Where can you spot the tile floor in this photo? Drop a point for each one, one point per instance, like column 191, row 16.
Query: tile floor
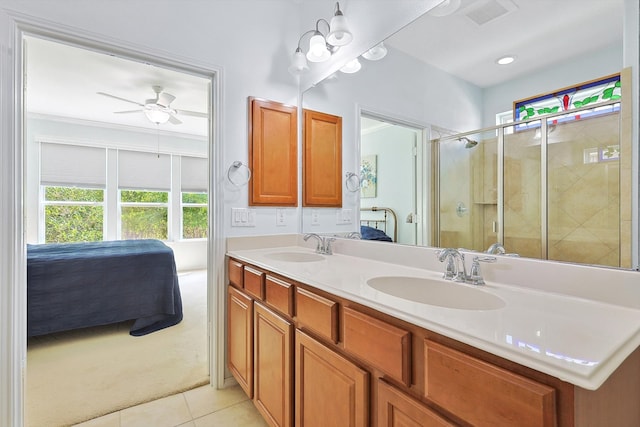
column 201, row 407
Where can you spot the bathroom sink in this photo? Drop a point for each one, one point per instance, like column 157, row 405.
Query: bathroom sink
column 440, row 293
column 294, row 256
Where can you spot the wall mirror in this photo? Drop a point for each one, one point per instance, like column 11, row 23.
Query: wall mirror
column 460, row 88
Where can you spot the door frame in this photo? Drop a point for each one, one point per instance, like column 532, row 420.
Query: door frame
column 423, row 160
column 14, row 301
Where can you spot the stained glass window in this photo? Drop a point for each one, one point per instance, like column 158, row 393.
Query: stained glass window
column 567, row 99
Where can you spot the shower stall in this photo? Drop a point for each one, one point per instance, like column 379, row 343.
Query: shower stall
column 556, row 188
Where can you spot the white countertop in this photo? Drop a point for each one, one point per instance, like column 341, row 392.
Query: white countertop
column 575, row 339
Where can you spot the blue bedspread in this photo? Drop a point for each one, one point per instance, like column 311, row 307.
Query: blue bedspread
column 370, row 233
column 77, row 285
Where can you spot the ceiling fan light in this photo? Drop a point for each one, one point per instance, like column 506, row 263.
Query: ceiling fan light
column 339, row 34
column 157, row 116
column 376, row 53
column 318, row 51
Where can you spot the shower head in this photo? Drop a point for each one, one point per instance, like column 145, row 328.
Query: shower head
column 469, row 143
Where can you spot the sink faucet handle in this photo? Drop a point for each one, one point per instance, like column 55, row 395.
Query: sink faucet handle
column 327, row 245
column 475, row 275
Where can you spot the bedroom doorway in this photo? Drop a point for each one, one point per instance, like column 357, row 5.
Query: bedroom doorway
column 392, row 164
column 90, row 126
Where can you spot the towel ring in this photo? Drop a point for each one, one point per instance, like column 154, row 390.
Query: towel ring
column 235, row 169
column 352, row 182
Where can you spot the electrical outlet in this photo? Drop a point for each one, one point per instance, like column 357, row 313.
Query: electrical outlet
column 280, row 217
column 315, row 217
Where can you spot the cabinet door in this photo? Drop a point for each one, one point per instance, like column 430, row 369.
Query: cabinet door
column 396, row 409
column 273, row 153
column 322, row 165
column 331, row 391
column 483, row 394
column 240, row 338
column 273, row 363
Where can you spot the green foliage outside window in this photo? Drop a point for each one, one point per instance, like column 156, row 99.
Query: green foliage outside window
column 138, row 196
column 65, row 224
column 144, row 222
column 194, row 218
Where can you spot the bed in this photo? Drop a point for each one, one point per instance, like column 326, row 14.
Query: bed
column 378, row 223
column 78, row 285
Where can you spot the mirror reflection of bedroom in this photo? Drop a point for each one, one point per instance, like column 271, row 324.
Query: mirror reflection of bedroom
column 116, row 201
column 391, row 156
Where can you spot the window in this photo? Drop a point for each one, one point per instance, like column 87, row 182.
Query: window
column 73, row 214
column 194, row 215
column 144, row 214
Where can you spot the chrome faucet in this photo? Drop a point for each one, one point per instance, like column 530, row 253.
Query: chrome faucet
column 353, row 235
column 324, row 243
column 456, row 269
column 497, row 248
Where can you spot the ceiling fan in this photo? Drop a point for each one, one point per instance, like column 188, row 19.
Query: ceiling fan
column 158, row 110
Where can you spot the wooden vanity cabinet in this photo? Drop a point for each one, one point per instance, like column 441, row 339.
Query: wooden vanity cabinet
column 355, row 366
column 397, row 409
column 330, row 389
column 240, row 338
column 273, row 366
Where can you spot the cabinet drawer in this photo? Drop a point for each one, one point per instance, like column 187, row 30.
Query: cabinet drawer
column 317, row 313
column 254, row 282
column 235, row 273
column 397, row 409
column 483, row 394
column 279, row 294
column 384, row 346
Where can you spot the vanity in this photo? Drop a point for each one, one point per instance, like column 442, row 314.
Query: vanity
column 372, row 335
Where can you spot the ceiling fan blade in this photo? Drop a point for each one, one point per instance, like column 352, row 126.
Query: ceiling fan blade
column 121, row 99
column 192, row 113
column 127, row 112
column 165, row 99
column 174, row 120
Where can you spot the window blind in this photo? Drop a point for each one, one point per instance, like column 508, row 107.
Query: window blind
column 194, row 173
column 144, row 171
column 72, row 165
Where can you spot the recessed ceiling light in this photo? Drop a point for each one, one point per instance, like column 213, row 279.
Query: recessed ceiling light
column 505, row 60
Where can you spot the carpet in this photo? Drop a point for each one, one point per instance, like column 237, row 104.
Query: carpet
column 79, row 375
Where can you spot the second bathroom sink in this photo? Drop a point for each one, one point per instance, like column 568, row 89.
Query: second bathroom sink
column 440, row 293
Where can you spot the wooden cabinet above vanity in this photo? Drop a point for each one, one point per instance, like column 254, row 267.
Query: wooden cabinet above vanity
column 273, row 153
column 330, row 358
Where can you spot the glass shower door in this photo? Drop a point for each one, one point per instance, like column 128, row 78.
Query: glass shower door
column 584, row 190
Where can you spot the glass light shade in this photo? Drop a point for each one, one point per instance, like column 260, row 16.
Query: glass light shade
column 157, row 116
column 352, row 66
column 377, row 52
column 339, row 34
column 318, row 51
column 298, row 63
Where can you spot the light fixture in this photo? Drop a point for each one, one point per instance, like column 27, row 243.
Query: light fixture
column 156, row 115
column 339, row 34
column 351, row 67
column 321, row 47
column 377, row 52
column 505, row 60
column 318, row 51
column 298, row 63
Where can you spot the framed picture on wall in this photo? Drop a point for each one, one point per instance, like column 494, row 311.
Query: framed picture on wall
column 369, row 176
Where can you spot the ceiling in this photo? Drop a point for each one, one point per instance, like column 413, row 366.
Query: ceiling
column 467, row 41
column 63, row 80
